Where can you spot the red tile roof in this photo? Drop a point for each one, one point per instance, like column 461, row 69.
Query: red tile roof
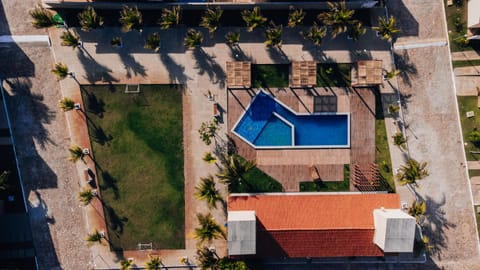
column 314, row 212
column 337, row 225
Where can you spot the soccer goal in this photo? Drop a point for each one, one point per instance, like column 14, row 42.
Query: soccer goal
column 132, row 89
column 148, row 246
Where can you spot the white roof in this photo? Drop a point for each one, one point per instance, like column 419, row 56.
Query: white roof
column 242, row 230
column 473, row 12
column 394, row 230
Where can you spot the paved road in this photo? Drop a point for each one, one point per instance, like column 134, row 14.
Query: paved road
column 435, row 136
column 57, row 221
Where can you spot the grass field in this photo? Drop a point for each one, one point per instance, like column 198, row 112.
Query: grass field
column 258, row 181
column 270, row 75
column 137, row 145
column 328, row 186
column 466, row 104
column 466, row 63
column 333, row 75
column 382, row 151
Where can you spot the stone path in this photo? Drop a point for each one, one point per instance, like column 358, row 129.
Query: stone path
column 466, row 55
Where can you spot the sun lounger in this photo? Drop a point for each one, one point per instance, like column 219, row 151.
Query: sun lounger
column 216, row 111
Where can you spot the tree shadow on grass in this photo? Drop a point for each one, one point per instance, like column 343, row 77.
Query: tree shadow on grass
column 206, row 63
column 115, row 224
column 109, row 182
column 95, row 105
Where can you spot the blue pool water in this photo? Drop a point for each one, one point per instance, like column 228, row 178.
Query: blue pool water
column 261, row 127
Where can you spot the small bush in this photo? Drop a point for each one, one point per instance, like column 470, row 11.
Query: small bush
column 474, row 137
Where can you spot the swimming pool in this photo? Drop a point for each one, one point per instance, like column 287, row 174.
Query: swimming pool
column 267, row 123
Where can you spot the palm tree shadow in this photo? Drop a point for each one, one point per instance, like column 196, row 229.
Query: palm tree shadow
column 206, row 63
column 109, row 182
column 94, row 71
column 131, row 65
column 436, row 224
column 407, row 68
column 176, row 71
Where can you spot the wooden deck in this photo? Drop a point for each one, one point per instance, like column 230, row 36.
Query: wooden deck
column 362, row 125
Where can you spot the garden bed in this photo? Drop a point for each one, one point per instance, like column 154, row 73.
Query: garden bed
column 315, row 186
column 270, row 75
column 333, row 75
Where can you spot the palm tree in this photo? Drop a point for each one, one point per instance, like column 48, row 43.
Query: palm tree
column 418, row 210
column 170, row 17
column 206, row 258
column 211, row 19
column 4, row 180
column 253, row 18
column 193, row 39
column 234, row 168
column 421, row 246
column 208, row 230
column 66, row 104
column 60, row 70
column 95, row 237
column 209, row 157
column 206, row 190
column 386, row 28
column 338, row 17
column 41, row 17
column 153, row 42
column 126, row 264
column 70, row 39
column 86, row 196
column 391, row 74
column 411, row 172
column 400, row 141
column 89, row 19
column 315, row 34
column 295, row 17
column 130, row 18
column 232, row 38
column 76, row 153
column 154, row 263
column 356, row 30
column 274, row 35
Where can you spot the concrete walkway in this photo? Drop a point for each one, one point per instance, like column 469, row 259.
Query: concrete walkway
column 431, row 117
column 465, row 55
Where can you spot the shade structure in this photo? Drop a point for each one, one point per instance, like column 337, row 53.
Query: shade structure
column 304, row 74
column 369, row 72
column 239, row 74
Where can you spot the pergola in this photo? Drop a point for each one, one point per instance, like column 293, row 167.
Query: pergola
column 304, row 74
column 239, row 74
column 369, row 72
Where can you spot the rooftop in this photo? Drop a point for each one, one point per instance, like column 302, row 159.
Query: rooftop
column 319, row 211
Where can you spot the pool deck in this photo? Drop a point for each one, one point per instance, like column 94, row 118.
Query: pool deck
column 292, row 166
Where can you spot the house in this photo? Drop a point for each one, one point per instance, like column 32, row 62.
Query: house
column 306, row 225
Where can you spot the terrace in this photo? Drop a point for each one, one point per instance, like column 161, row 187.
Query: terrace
column 294, row 165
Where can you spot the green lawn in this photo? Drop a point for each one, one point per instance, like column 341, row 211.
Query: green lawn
column 275, row 75
column 466, row 104
column 472, row 173
column 466, row 63
column 457, row 25
column 137, row 145
column 333, row 75
column 313, row 186
column 382, row 151
column 258, row 181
